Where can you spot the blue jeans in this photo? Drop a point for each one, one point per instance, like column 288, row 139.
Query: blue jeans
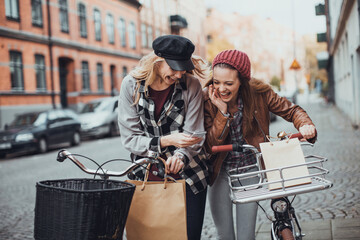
column 195, row 210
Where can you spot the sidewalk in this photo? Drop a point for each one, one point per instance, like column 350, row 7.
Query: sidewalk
column 334, row 229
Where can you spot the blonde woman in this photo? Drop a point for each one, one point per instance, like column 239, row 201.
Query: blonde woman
column 160, row 106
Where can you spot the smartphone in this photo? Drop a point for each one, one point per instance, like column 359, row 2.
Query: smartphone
column 200, row 134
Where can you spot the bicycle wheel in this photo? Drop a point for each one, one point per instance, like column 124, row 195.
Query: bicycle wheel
column 286, row 234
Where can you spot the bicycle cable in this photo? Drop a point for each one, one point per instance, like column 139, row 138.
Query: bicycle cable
column 99, row 166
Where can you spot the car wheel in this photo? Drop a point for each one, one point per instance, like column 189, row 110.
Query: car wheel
column 42, row 146
column 2, row 155
column 76, row 139
column 114, row 131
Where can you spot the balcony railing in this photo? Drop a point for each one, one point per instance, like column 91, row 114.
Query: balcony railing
column 320, row 9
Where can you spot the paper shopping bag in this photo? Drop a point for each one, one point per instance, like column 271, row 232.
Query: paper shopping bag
column 284, row 153
column 157, row 212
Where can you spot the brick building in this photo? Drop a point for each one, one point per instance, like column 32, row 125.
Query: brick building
column 63, row 53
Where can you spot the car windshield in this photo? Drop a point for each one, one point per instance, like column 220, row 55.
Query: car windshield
column 97, row 106
column 29, row 119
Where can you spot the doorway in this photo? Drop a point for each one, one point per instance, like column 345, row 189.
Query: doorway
column 113, row 80
column 65, row 77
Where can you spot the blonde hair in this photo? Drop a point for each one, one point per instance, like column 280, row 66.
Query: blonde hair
column 146, row 71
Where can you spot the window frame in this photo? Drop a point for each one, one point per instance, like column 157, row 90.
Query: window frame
column 122, row 31
column 132, row 35
column 150, row 37
column 82, row 20
column 64, row 16
column 37, row 5
column 100, row 77
column 110, row 28
column 97, row 22
column 10, row 13
column 144, row 43
column 85, row 76
column 124, row 71
column 16, row 67
column 40, row 73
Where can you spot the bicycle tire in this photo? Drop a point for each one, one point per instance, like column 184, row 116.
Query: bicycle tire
column 286, row 234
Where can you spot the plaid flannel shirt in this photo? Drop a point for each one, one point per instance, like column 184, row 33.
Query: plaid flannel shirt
column 140, row 133
column 238, row 159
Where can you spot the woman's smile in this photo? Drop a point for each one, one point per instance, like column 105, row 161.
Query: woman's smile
column 227, row 84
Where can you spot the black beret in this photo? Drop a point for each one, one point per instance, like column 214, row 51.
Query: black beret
column 176, row 50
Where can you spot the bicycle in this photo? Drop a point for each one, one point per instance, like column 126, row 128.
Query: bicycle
column 285, row 226
column 86, row 208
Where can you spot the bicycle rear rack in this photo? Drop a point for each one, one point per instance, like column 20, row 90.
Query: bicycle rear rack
column 260, row 191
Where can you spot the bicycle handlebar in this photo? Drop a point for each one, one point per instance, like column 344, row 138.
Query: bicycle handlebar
column 296, row 135
column 237, row 147
column 233, row 147
column 63, row 154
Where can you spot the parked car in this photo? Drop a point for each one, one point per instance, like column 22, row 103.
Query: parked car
column 38, row 131
column 99, row 118
column 272, row 117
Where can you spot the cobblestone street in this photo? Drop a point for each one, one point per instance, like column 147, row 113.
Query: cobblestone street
column 337, row 141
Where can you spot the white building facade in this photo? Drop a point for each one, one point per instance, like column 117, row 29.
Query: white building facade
column 344, row 50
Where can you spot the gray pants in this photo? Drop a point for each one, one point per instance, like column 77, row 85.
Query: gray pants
column 222, row 210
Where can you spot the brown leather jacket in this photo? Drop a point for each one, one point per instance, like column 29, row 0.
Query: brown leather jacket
column 217, row 125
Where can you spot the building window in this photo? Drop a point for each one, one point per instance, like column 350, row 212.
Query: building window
column 16, row 70
column 12, row 9
column 122, row 31
column 132, row 35
column 110, row 27
column 85, row 76
column 40, row 73
column 97, row 23
column 64, row 18
column 157, row 33
column 100, row 77
column 149, row 36
column 125, row 72
column 82, row 20
column 36, row 13
column 143, row 36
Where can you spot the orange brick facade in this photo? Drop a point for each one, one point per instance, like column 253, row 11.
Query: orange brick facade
column 64, row 53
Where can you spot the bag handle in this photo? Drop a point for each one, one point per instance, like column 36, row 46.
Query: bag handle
column 148, row 170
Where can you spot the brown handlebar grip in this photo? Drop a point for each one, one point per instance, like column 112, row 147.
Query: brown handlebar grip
column 296, row 135
column 222, row 148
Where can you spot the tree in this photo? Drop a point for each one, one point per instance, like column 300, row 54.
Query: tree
column 275, row 81
column 216, row 45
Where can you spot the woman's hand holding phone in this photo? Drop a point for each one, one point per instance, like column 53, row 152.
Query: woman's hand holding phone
column 200, row 134
column 179, row 140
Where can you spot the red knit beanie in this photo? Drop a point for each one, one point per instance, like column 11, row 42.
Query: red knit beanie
column 237, row 59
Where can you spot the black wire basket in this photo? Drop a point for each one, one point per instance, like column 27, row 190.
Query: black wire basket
column 81, row 209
